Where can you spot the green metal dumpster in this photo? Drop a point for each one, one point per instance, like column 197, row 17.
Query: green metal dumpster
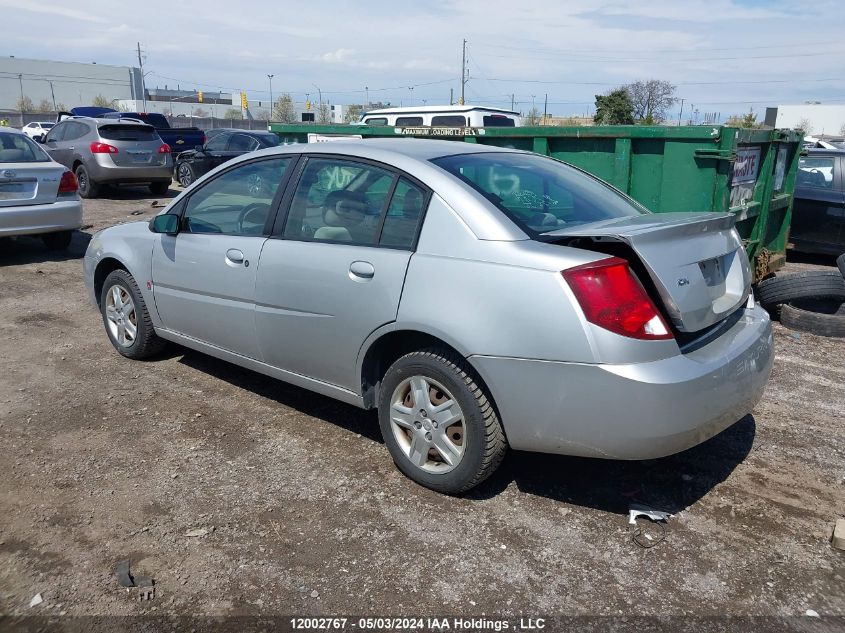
column 750, row 173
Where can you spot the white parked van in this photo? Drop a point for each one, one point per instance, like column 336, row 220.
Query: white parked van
column 442, row 116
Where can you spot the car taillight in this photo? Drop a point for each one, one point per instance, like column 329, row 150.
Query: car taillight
column 102, row 148
column 164, row 149
column 204, row 139
column 612, row 298
column 68, row 183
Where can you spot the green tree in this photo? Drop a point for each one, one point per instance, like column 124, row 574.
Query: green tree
column 45, row 105
column 614, row 108
column 101, row 102
column 24, row 104
column 233, row 113
column 746, row 121
column 352, row 114
column 324, row 114
column 283, row 109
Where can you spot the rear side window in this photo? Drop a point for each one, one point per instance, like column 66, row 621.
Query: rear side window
column 404, row 216
column 242, row 143
column 128, row 133
column 538, row 193
column 75, row 130
column 17, row 148
column 338, row 201
column 449, row 120
column 498, row 121
column 815, row 172
column 406, row 121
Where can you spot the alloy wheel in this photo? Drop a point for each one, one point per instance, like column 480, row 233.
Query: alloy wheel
column 121, row 316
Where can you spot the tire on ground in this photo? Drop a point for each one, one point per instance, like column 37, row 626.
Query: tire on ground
column 840, row 262
column 811, row 284
column 486, row 444
column 825, row 318
column 147, row 343
column 58, row 241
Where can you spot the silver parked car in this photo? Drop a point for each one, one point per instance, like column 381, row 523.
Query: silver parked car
column 37, row 195
column 478, row 297
column 109, row 151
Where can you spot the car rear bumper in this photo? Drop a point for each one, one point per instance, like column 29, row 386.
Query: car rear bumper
column 637, row 411
column 62, row 215
column 103, row 170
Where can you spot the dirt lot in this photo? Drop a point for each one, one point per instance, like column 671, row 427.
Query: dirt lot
column 103, row 459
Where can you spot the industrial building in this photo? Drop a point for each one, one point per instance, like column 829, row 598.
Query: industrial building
column 55, row 84
column 814, row 118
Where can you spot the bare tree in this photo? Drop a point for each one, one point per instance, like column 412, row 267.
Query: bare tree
column 804, row 126
column 651, row 99
column 200, row 113
column 324, row 114
column 233, row 113
column 24, row 104
column 45, row 105
column 533, row 117
column 352, row 114
column 101, row 102
column 842, row 129
column 283, row 109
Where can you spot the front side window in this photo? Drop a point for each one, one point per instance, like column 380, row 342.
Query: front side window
column 540, row 194
column 338, row 201
column 17, row 148
column 218, row 143
column 238, row 201
column 58, row 132
column 815, row 172
column 376, row 121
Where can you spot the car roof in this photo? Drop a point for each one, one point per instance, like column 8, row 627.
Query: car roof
column 11, row 130
column 415, row 148
column 442, row 109
column 111, row 122
column 825, row 150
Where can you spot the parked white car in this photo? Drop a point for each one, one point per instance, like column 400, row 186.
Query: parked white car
column 37, row 130
column 38, row 196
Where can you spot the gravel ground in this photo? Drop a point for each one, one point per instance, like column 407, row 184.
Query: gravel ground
column 296, row 507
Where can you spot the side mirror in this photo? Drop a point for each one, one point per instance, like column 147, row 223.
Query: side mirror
column 50, row 142
column 167, row 224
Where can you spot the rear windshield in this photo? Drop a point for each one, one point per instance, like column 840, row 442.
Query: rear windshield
column 497, row 120
column 540, row 194
column 128, row 133
column 17, row 148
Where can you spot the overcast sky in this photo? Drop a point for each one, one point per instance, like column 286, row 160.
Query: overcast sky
column 723, row 55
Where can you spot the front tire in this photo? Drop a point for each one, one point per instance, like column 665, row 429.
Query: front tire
column 87, row 187
column 438, row 421
column 126, row 318
column 57, row 241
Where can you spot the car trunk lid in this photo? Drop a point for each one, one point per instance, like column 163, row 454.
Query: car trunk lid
column 29, row 183
column 695, row 261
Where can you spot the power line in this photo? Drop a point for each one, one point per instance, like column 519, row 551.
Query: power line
column 683, row 83
column 656, row 50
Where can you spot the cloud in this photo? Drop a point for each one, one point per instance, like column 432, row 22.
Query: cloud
column 59, row 11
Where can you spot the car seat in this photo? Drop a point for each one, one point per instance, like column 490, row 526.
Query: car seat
column 342, row 211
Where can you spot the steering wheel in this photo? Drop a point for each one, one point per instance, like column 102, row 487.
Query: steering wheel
column 258, row 211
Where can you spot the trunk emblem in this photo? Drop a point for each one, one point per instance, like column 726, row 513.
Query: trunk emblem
column 683, row 281
column 9, row 174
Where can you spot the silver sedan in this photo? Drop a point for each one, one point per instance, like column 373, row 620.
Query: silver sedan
column 37, row 195
column 477, row 297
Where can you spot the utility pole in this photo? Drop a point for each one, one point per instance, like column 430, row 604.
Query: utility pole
column 463, row 71
column 20, row 79
column 681, row 112
column 545, row 108
column 143, row 82
column 451, row 96
column 367, row 95
column 270, row 77
column 53, row 94
column 512, row 97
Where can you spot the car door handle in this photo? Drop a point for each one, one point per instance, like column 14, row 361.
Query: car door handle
column 364, row 270
column 235, row 256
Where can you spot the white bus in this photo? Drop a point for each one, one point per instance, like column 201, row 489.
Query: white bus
column 442, row 116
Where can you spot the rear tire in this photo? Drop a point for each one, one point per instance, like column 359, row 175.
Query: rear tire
column 87, row 187
column 57, row 241
column 126, row 318
column 159, row 188
column 438, row 421
column 811, row 284
column 840, row 262
column 185, row 174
